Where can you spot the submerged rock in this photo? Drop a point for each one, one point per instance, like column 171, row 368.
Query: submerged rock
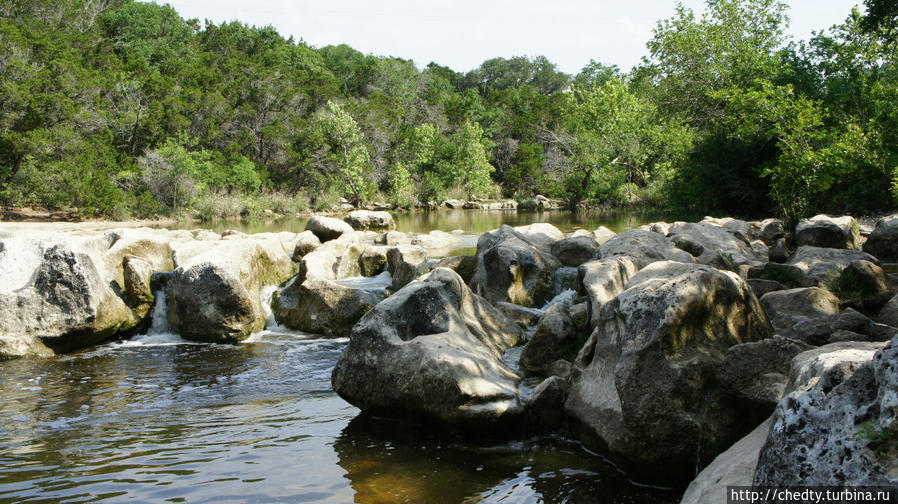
column 647, row 389
column 432, row 351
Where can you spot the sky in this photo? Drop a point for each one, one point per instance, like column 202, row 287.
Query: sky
column 461, row 34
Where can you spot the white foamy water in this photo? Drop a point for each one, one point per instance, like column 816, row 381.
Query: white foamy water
column 375, row 283
column 160, row 332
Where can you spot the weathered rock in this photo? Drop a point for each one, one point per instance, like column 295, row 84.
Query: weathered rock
column 883, row 241
column 818, row 330
column 785, row 308
column 757, row 372
column 837, row 360
column 322, row 306
column 406, row 262
column 603, row 234
column 828, row 232
column 839, row 430
column 540, row 234
column 366, row 219
column 761, row 286
column 137, row 293
column 869, row 278
column 464, row 265
column 734, row 467
column 576, row 250
column 888, row 314
column 644, row 248
column 373, row 260
column 327, row 228
column 779, row 252
column 433, row 351
column 821, row 263
column 306, row 242
column 522, row 315
column 786, row 274
column 54, row 297
column 603, row 280
column 647, row 389
column 713, row 244
column 772, row 231
column 546, row 408
column 313, row 301
column 556, row 337
column 512, row 269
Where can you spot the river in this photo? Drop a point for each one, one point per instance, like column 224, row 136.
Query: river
column 158, row 419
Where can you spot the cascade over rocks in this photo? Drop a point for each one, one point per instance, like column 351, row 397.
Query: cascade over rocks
column 512, row 269
column 432, row 351
column 646, row 386
column 214, row 291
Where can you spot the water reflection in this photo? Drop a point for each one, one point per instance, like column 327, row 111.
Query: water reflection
column 388, row 462
column 470, row 221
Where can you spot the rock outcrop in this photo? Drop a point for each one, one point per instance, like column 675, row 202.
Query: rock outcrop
column 432, row 351
column 647, row 388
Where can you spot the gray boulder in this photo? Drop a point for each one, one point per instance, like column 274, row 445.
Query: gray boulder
column 367, row 219
column 545, row 410
column 603, row 234
column 785, row 308
column 306, row 242
column 828, row 232
column 556, row 337
column 540, row 234
column 838, row 429
column 772, row 231
column 54, row 297
column 512, row 269
column 327, row 228
column 644, row 248
column 373, row 260
column 464, row 265
column 214, row 293
column 406, row 262
column 576, row 250
column 314, row 301
column 822, row 263
column 432, row 351
column 647, row 387
column 602, row 280
column 883, row 241
column 713, row 244
column 757, row 372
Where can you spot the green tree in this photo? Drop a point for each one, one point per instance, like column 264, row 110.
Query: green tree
column 345, row 157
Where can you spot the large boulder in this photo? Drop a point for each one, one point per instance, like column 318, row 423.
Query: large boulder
column 576, row 250
column 828, row 232
column 54, row 297
column 541, row 234
column 367, row 219
column 512, row 269
column 306, row 242
column 772, row 231
column 406, row 262
column 314, row 301
column 648, row 389
column 785, row 308
column 327, row 228
column 432, row 351
column 821, row 264
column 838, row 429
column 602, row 280
column 644, row 247
column 734, row 467
column 214, row 293
column 556, row 337
column 757, row 372
column 713, row 244
column 883, row 241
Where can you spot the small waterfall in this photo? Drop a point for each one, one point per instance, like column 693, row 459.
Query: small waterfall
column 267, row 294
column 159, row 319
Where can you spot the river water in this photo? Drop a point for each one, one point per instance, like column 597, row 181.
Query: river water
column 158, row 419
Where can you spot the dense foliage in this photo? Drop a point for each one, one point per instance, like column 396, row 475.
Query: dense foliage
column 122, row 108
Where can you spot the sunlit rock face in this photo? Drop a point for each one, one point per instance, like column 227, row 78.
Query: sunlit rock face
column 512, row 268
column 646, row 384
column 432, row 351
